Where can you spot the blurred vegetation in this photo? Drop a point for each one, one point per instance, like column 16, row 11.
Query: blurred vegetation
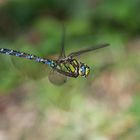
column 105, row 106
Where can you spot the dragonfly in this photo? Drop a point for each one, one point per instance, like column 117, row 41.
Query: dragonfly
column 63, row 67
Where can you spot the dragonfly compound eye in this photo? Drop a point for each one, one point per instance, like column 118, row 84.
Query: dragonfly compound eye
column 84, row 70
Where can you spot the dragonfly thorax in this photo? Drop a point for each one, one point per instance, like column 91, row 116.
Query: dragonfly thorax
column 72, row 68
column 69, row 67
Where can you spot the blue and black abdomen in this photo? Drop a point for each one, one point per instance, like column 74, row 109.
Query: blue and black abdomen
column 51, row 63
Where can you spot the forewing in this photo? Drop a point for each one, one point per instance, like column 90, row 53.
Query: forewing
column 62, row 51
column 75, row 54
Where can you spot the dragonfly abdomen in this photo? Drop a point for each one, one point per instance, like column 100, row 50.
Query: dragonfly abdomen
column 51, row 63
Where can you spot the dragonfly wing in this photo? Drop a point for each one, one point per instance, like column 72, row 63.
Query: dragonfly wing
column 62, row 52
column 27, row 68
column 57, row 78
column 75, row 54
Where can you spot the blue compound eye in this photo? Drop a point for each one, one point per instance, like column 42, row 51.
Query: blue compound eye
column 84, row 70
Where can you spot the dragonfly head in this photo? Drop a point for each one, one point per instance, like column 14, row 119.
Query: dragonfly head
column 84, row 70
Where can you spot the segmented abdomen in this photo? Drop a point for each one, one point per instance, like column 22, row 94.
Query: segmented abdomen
column 51, row 63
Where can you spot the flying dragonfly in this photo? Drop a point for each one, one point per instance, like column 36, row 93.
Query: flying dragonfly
column 63, row 67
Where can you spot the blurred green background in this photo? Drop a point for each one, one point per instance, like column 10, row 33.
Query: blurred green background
column 104, row 106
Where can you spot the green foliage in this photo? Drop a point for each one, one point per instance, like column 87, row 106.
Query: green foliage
column 102, row 106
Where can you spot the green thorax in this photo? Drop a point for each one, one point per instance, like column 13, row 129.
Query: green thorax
column 70, row 66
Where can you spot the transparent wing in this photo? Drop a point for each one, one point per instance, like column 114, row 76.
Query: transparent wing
column 62, row 51
column 57, row 78
column 75, row 54
column 27, row 68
